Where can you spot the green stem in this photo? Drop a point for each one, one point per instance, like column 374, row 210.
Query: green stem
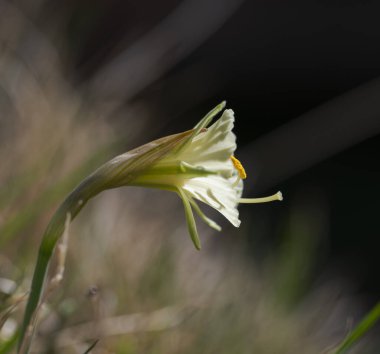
column 72, row 205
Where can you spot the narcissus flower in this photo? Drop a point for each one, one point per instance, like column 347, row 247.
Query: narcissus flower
column 203, row 167
column 198, row 164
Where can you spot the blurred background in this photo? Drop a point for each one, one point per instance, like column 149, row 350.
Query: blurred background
column 83, row 81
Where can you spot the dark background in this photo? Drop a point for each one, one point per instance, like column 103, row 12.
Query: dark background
column 273, row 61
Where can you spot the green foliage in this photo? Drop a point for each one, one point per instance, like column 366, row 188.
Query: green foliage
column 8, row 345
column 360, row 330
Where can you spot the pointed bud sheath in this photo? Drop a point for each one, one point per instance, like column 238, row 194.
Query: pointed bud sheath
column 118, row 172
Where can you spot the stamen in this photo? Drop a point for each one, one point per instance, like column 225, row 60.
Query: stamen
column 277, row 196
column 239, row 167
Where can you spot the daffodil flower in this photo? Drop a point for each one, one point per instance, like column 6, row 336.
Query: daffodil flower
column 198, row 164
column 203, row 168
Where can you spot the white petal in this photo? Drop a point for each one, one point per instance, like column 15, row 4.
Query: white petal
column 218, row 192
column 218, row 143
column 210, row 149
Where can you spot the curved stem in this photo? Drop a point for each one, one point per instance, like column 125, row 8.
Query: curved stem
column 72, row 204
column 120, row 171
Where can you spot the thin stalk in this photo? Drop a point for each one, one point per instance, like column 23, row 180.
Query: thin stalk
column 72, row 205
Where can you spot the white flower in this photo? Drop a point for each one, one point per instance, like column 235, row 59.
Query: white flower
column 203, row 168
column 197, row 164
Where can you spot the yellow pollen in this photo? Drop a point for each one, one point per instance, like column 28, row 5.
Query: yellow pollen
column 239, row 167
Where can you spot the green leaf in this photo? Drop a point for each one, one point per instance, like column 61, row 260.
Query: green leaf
column 360, row 330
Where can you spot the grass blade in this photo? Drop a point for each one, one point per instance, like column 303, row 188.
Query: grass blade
column 360, row 330
column 92, row 346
